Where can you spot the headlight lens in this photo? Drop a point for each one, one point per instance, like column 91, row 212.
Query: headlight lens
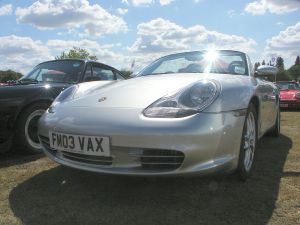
column 297, row 95
column 185, row 102
column 65, row 95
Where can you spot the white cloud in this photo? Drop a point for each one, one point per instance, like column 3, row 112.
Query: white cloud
column 159, row 37
column 286, row 44
column 5, row 10
column 21, row 53
column 122, row 11
column 142, row 2
column 93, row 47
column 231, row 13
column 71, row 14
column 125, row 2
column 280, row 23
column 165, row 2
column 147, row 2
column 260, row 7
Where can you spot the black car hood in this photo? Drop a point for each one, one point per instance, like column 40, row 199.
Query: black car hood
column 32, row 90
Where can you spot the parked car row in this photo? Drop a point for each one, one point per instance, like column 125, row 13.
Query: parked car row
column 189, row 113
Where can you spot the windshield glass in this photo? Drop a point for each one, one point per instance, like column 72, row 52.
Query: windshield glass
column 228, row 62
column 289, row 86
column 67, row 71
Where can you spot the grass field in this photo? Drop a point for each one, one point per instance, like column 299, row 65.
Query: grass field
column 34, row 190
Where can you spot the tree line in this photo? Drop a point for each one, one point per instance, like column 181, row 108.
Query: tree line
column 292, row 73
column 9, row 75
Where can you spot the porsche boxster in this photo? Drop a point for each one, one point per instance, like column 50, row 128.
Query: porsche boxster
column 189, row 113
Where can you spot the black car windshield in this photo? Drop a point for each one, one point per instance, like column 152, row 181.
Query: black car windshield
column 225, row 62
column 288, row 86
column 64, row 71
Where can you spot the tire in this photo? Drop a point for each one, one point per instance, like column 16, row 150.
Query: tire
column 275, row 131
column 248, row 144
column 26, row 138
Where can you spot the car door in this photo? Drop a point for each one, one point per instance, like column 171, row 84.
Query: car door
column 267, row 95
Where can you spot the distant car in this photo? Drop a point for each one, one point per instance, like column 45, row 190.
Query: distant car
column 189, row 113
column 289, row 94
column 25, row 101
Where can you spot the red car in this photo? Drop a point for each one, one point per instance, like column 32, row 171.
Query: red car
column 289, row 94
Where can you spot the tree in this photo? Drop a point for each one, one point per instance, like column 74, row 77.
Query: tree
column 76, row 53
column 9, row 75
column 294, row 72
column 256, row 65
column 297, row 62
column 263, row 63
column 280, row 63
column 283, row 75
column 126, row 73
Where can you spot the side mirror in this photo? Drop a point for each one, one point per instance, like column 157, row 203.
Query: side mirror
column 266, row 71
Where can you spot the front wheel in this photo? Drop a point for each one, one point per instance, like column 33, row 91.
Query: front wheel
column 26, row 134
column 248, row 144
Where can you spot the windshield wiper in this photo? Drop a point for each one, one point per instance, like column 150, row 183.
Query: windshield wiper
column 28, row 81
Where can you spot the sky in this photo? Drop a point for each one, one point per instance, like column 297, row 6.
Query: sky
column 119, row 32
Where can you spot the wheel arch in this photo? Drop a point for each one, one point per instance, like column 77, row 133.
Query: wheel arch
column 255, row 101
column 25, row 107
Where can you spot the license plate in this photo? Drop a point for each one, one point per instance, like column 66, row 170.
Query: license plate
column 284, row 105
column 88, row 145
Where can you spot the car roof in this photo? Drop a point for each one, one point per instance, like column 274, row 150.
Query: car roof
column 81, row 60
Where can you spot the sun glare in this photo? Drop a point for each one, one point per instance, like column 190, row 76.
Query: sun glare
column 211, row 55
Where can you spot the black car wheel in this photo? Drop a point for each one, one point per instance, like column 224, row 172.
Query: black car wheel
column 248, row 144
column 26, row 134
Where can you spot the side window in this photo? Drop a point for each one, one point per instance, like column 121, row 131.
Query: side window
column 119, row 76
column 35, row 75
column 102, row 73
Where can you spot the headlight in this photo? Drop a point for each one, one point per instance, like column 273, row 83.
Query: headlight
column 297, row 95
column 64, row 96
column 185, row 102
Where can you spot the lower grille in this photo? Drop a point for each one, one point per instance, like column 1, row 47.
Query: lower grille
column 90, row 159
column 156, row 159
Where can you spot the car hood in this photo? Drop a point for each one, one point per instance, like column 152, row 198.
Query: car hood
column 140, row 92
column 30, row 90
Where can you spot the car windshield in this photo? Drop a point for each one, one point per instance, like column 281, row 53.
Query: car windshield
column 225, row 62
column 288, row 86
column 64, row 71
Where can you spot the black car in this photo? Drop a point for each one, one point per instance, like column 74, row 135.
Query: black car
column 22, row 104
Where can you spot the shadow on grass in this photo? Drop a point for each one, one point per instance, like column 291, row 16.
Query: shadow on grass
column 66, row 196
column 16, row 158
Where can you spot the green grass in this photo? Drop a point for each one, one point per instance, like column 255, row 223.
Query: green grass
column 34, row 190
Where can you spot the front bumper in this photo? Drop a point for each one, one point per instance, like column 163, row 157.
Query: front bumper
column 290, row 104
column 200, row 144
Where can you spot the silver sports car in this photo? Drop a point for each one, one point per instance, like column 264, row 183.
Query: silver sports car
column 190, row 113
